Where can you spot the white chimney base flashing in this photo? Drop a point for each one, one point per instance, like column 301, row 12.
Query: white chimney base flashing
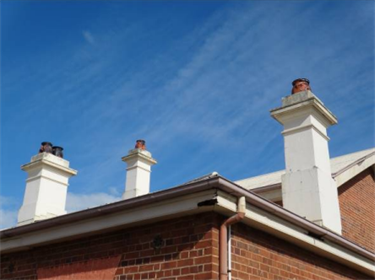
column 318, row 187
column 39, row 218
column 137, row 182
column 133, row 193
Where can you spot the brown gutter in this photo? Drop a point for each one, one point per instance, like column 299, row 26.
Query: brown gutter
column 223, row 246
column 212, row 182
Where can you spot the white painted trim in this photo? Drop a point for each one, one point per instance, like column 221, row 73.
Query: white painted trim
column 304, row 99
column 141, row 154
column 35, row 164
column 37, row 177
column 140, row 167
column 302, row 128
column 353, row 171
column 227, row 201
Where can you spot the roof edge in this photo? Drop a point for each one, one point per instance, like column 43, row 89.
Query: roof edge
column 214, row 182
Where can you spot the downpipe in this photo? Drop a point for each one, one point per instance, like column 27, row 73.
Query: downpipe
column 223, row 246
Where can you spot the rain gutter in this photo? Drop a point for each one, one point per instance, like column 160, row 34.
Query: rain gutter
column 213, row 182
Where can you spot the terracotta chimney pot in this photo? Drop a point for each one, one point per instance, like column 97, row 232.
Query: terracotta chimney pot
column 300, row 84
column 140, row 144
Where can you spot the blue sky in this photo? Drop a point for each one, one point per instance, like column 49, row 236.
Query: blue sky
column 195, row 79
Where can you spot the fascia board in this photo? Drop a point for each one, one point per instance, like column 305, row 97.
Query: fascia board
column 353, row 170
column 226, row 203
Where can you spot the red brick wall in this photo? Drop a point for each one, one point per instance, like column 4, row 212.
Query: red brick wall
column 357, row 206
column 104, row 269
column 189, row 251
column 257, row 255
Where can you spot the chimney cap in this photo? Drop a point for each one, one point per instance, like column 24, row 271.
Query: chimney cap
column 57, row 151
column 46, row 147
column 300, row 80
column 47, row 143
column 300, row 84
column 140, row 144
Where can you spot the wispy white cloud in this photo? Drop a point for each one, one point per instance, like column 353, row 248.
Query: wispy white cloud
column 8, row 218
column 8, row 212
column 217, row 96
column 88, row 37
column 76, row 201
column 6, row 201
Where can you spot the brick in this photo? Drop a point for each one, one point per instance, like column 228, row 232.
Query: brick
column 359, row 225
column 146, row 267
column 187, row 262
column 176, row 272
column 169, row 265
column 186, row 277
column 203, row 244
column 203, row 276
column 203, row 260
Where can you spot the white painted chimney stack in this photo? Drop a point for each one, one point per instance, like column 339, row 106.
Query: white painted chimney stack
column 139, row 162
column 46, row 187
column 307, row 187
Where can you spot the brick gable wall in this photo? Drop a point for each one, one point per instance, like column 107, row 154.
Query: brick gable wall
column 357, row 206
column 257, row 255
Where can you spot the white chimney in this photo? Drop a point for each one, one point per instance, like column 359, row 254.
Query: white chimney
column 46, row 187
column 139, row 163
column 307, row 187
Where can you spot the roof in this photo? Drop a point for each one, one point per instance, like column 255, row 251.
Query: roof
column 188, row 199
column 343, row 169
